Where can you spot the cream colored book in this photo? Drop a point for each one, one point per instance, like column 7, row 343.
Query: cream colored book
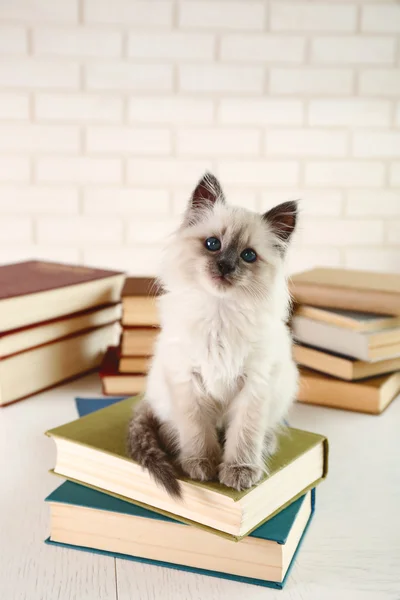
column 341, row 366
column 138, row 341
column 20, row 340
column 348, row 289
column 368, row 346
column 348, row 319
column 139, row 302
column 37, row 369
column 371, row 395
column 133, row 364
column 87, row 519
column 36, row 291
column 92, row 451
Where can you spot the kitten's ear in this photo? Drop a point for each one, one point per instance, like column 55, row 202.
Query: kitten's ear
column 282, row 219
column 207, row 192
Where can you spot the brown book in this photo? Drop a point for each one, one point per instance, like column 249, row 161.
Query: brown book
column 368, row 395
column 133, row 364
column 341, row 366
column 36, row 291
column 43, row 367
column 139, row 304
column 346, row 289
column 116, row 383
column 24, row 338
column 138, row 341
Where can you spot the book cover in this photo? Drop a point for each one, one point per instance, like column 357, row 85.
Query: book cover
column 43, row 367
column 36, row 291
column 138, row 341
column 105, row 431
column 140, row 286
column 276, row 530
column 113, row 382
column 139, row 302
column 369, row 346
column 348, row 319
column 341, row 366
column 348, row 289
column 31, row 277
column 32, row 336
column 370, row 395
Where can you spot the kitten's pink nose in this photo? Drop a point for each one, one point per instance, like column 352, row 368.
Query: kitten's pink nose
column 225, row 266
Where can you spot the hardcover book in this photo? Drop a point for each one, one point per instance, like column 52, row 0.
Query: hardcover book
column 87, row 519
column 369, row 346
column 138, row 341
column 24, row 338
column 347, row 289
column 36, row 291
column 92, row 451
column 348, row 319
column 342, row 366
column 113, row 382
column 139, row 302
column 371, row 395
column 40, row 368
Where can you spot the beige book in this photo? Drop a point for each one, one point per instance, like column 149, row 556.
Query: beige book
column 19, row 340
column 138, row 341
column 29, row 372
column 348, row 289
column 368, row 346
column 348, row 319
column 341, row 366
column 92, row 451
column 371, row 395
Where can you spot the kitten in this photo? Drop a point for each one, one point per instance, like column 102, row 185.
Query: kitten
column 223, row 356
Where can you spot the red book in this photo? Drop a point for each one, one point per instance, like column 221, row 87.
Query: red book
column 35, row 291
column 115, row 383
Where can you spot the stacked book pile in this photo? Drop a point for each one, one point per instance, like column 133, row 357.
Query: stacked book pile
column 56, row 321
column 123, row 369
column 110, row 505
column 347, row 328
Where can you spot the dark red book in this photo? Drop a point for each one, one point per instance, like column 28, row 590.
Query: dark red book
column 116, row 383
column 35, row 291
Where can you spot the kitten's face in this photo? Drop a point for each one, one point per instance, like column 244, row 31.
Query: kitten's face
column 228, row 249
column 224, row 249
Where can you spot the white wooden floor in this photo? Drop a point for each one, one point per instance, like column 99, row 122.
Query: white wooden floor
column 351, row 551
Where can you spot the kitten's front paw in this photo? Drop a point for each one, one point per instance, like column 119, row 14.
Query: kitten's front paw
column 239, row 477
column 200, row 469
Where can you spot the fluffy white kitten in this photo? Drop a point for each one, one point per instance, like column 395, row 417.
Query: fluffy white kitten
column 223, row 360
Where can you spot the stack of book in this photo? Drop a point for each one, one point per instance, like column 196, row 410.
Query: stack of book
column 56, row 321
column 111, row 505
column 347, row 327
column 124, row 368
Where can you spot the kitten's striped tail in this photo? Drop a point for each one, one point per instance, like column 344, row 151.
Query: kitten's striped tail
column 144, row 446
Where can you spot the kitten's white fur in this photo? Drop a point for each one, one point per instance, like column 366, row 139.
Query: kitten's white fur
column 223, row 356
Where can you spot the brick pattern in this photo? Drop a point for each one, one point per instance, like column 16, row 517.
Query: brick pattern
column 110, row 112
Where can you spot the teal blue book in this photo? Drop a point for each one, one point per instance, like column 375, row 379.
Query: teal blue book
column 89, row 520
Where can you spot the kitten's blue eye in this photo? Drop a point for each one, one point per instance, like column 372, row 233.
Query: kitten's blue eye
column 249, row 255
column 213, row 244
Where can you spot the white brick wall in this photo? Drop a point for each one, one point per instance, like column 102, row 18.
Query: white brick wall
column 110, row 111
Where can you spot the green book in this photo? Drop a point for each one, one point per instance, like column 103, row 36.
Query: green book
column 92, row 451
